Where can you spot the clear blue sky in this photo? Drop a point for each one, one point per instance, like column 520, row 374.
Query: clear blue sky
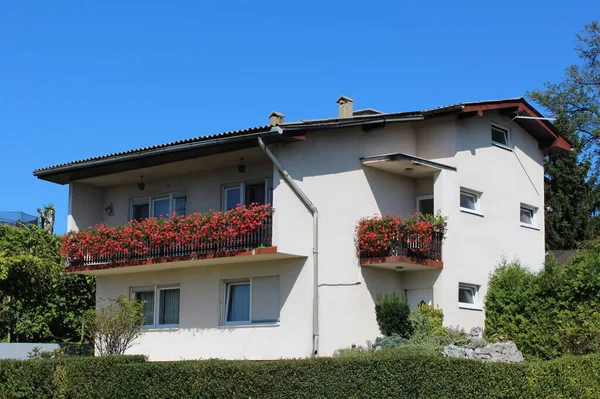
column 82, row 78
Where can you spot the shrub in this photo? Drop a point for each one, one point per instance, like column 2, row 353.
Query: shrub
column 550, row 313
column 457, row 334
column 390, row 342
column 385, row 374
column 427, row 323
column 392, row 315
column 115, row 327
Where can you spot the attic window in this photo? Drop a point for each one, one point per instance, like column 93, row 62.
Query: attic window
column 500, row 136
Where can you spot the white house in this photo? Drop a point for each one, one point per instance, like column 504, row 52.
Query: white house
column 300, row 289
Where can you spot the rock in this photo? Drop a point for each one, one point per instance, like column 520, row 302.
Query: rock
column 476, row 332
column 497, row 352
column 337, row 353
column 506, row 352
column 458, row 351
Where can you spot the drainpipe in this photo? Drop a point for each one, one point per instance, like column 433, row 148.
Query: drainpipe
column 315, row 215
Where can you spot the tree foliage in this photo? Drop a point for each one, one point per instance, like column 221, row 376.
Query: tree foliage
column 115, row 326
column 38, row 301
column 550, row 313
column 572, row 190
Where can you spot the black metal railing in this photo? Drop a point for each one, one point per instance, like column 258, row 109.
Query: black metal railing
column 201, row 248
column 412, row 249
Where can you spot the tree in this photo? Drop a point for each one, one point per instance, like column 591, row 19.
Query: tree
column 115, row 326
column 572, row 190
column 39, row 302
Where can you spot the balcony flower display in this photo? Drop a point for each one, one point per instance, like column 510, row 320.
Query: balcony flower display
column 417, row 236
column 171, row 238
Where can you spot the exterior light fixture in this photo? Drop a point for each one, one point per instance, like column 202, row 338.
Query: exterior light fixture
column 241, row 166
column 141, row 184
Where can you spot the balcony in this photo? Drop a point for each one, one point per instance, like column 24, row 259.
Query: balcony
column 240, row 235
column 409, row 244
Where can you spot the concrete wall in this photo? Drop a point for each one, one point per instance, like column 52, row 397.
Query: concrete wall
column 22, row 350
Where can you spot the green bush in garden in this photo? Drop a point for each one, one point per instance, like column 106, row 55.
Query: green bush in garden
column 384, row 374
column 550, row 313
column 393, row 315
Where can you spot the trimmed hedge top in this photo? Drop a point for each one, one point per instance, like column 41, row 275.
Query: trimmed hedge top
column 385, row 374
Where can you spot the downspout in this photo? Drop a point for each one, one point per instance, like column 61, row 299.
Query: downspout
column 315, row 215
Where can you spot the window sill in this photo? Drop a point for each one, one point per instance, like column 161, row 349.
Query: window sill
column 502, row 146
column 255, row 325
column 472, row 212
column 170, row 327
column 528, row 226
column 470, row 308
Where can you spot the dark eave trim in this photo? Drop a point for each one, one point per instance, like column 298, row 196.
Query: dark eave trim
column 405, row 157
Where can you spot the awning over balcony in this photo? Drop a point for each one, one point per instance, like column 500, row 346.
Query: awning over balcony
column 404, row 164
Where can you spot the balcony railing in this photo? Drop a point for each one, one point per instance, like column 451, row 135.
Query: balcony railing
column 220, row 235
column 418, row 237
column 413, row 249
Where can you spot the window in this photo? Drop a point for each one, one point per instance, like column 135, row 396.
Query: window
column 251, row 301
column 257, row 192
column 469, row 200
column 527, row 216
column 425, row 204
column 161, row 205
column 500, row 135
column 161, row 305
column 467, row 295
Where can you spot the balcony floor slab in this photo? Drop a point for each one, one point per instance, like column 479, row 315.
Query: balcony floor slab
column 402, row 263
column 255, row 255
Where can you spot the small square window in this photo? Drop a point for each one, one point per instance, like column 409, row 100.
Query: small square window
column 469, row 200
column 500, row 135
column 467, row 295
column 527, row 216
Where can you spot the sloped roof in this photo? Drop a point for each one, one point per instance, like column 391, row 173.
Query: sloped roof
column 544, row 131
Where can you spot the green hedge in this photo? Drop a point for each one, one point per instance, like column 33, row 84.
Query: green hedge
column 381, row 375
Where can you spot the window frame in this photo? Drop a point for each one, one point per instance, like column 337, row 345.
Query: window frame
column 507, row 134
column 420, row 198
column 477, row 200
column 149, row 200
column 533, row 211
column 225, row 284
column 155, row 314
column 475, row 289
column 242, row 187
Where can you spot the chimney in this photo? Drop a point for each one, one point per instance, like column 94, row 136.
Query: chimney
column 276, row 118
column 345, row 107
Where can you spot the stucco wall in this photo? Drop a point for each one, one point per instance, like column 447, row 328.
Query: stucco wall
column 203, row 189
column 327, row 168
column 475, row 244
column 200, row 335
column 86, row 206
